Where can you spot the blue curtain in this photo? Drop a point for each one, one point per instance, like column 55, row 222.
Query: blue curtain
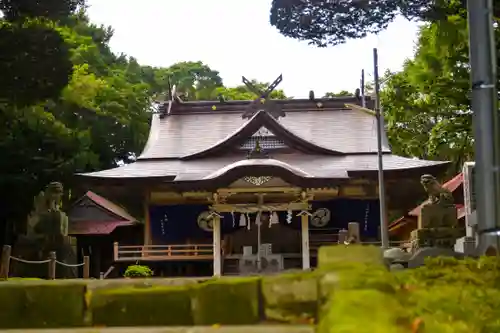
column 343, row 211
column 177, row 223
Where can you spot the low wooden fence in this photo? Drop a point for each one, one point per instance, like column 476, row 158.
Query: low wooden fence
column 163, row 252
column 51, row 262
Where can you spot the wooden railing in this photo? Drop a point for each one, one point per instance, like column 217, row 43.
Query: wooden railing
column 199, row 251
column 163, row 252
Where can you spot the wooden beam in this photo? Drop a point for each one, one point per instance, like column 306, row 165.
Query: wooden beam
column 217, row 246
column 147, row 220
column 304, row 227
column 360, row 108
column 253, row 208
column 165, row 258
column 353, row 191
column 259, row 190
column 197, row 194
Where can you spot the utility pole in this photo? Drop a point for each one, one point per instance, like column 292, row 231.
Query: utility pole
column 363, row 99
column 384, row 232
column 486, row 121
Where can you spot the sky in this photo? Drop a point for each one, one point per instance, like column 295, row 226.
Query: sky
column 235, row 38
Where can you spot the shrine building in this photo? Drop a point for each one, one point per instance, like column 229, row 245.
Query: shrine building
column 241, row 187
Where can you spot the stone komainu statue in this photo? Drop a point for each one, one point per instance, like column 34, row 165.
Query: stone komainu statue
column 440, row 211
column 46, row 231
column 437, row 222
column 46, row 217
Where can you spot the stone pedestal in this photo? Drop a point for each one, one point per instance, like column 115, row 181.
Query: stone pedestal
column 37, row 248
column 436, row 216
column 465, row 245
column 434, row 237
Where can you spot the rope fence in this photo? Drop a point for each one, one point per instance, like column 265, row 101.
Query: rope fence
column 52, row 262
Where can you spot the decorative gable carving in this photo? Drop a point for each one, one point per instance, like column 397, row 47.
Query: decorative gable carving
column 257, row 181
column 267, row 140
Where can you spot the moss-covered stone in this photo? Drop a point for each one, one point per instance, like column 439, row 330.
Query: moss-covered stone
column 227, row 301
column 41, row 304
column 339, row 257
column 139, row 283
column 290, row 297
column 155, row 306
column 457, row 309
column 352, row 267
column 446, row 295
column 364, row 311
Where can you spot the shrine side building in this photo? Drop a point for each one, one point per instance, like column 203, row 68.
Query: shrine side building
column 249, row 186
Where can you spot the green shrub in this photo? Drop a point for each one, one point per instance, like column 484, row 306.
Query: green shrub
column 138, row 271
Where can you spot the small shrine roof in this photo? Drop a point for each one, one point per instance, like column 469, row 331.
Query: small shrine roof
column 120, row 212
column 98, row 227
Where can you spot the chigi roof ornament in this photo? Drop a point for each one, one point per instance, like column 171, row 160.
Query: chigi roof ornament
column 263, row 102
column 173, row 96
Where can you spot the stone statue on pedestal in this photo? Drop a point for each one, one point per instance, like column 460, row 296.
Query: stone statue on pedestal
column 437, row 229
column 46, row 231
column 437, row 222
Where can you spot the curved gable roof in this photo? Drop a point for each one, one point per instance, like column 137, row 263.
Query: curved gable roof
column 258, row 162
column 188, row 132
column 263, row 119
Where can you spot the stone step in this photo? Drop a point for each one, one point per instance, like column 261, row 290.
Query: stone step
column 197, row 329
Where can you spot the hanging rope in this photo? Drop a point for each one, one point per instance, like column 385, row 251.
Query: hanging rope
column 30, row 261
column 69, row 265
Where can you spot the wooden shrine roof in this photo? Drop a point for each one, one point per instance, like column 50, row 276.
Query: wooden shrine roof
column 195, row 141
column 195, row 127
column 92, row 225
column 310, row 166
column 111, row 207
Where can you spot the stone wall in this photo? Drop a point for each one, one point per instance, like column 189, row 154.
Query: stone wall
column 351, row 291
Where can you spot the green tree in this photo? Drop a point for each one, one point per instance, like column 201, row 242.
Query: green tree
column 19, row 10
column 342, row 93
column 427, row 104
column 35, row 62
column 242, row 93
column 325, row 22
column 194, row 79
column 100, row 118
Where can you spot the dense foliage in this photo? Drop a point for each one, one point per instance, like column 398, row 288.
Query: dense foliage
column 15, row 10
column 68, row 104
column 326, row 22
column 427, row 104
column 28, row 48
